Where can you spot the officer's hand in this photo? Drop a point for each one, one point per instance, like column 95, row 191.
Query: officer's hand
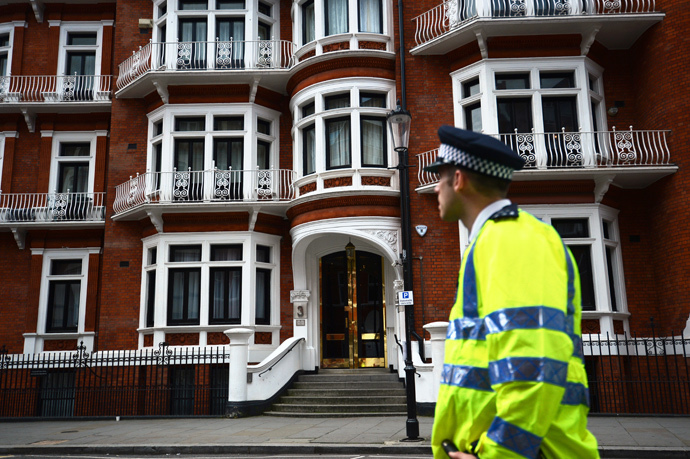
column 459, row 455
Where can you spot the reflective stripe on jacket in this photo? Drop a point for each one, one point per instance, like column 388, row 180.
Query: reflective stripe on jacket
column 513, row 380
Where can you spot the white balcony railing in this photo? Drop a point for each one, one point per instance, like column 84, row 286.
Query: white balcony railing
column 51, row 207
column 206, row 55
column 453, row 13
column 259, row 185
column 573, row 150
column 52, row 88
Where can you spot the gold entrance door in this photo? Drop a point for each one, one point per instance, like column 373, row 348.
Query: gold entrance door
column 353, row 327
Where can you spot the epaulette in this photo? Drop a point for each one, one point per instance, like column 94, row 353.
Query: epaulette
column 509, row 211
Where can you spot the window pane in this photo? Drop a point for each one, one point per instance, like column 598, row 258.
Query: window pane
column 5, row 39
column 557, row 80
column 162, row 9
column 229, row 5
column 65, row 267
column 63, row 306
column 184, row 296
column 185, row 253
column 607, row 232
column 514, row 114
column 158, row 128
column 338, row 143
column 3, row 64
column 226, row 252
column 176, row 281
column 339, row 101
column 370, row 16
column 263, row 127
column 512, row 81
column 82, row 38
column 308, row 27
column 264, row 8
column 612, row 280
column 263, row 254
column 263, row 153
column 571, row 227
column 263, row 296
column 336, row 16
column 190, row 124
column 150, row 297
column 308, row 109
column 153, row 254
column 75, row 149
column 228, row 123
column 228, row 153
column 583, row 259
column 473, row 117
column 193, row 5
column 194, row 295
column 470, row 88
column 225, row 295
column 373, row 142
column 73, row 177
column 560, row 113
column 264, row 31
column 309, row 150
column 368, row 99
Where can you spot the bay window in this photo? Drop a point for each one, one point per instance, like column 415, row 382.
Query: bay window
column 337, row 17
column 206, row 281
column 338, row 137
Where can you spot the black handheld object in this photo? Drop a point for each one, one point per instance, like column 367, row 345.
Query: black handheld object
column 449, row 446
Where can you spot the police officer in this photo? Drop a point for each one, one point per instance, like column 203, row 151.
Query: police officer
column 513, row 382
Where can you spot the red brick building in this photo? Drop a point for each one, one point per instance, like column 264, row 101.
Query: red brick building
column 172, row 169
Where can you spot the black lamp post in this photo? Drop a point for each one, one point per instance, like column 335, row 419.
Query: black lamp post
column 399, row 121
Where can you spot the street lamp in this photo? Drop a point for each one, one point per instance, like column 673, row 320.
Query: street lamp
column 399, row 121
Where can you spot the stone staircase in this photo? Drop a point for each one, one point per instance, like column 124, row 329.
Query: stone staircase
column 343, row 393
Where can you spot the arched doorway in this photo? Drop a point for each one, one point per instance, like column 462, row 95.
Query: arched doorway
column 353, row 310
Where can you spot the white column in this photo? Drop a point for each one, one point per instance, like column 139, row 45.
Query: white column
column 437, row 330
column 239, row 352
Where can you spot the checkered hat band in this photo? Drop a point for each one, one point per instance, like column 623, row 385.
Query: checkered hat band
column 483, row 166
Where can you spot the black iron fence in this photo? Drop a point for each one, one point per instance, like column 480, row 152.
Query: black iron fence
column 627, row 375
column 161, row 382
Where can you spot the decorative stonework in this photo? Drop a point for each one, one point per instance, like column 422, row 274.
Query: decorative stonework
column 299, row 295
column 590, row 326
column 60, row 345
column 372, row 45
column 398, row 285
column 338, row 181
column 343, row 45
column 217, row 338
column 376, row 181
column 263, row 338
column 182, row 339
column 389, row 237
column 308, row 188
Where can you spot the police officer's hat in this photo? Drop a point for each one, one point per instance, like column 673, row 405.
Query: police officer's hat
column 476, row 152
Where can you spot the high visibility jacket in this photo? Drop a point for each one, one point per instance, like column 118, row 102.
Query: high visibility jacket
column 513, row 383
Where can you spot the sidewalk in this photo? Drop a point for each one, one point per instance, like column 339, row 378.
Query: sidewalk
column 621, row 437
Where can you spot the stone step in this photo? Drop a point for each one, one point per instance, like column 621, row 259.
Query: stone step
column 346, row 378
column 333, row 414
column 349, row 409
column 345, row 385
column 352, row 400
column 347, row 392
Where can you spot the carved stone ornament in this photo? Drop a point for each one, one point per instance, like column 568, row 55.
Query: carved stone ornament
column 389, row 237
column 398, row 285
column 299, row 295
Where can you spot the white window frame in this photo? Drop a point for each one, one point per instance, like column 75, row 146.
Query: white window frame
column 250, row 14
column 8, row 28
column 69, row 27
column 249, row 241
column 320, row 36
column 596, row 214
column 56, row 159
column 317, row 93
column 486, row 70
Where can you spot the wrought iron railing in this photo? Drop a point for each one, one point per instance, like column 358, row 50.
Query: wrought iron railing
column 165, row 381
column 629, row 148
column 51, row 207
column 206, row 55
column 52, row 88
column 631, row 375
column 205, row 186
column 453, row 13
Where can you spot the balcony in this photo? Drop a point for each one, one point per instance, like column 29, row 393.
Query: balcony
column 158, row 64
column 22, row 211
column 627, row 159
column 154, row 193
column 616, row 24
